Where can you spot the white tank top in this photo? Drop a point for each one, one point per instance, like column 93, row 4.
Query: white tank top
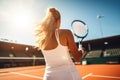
column 59, row 56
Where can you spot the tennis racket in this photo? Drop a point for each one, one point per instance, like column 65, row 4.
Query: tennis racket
column 80, row 30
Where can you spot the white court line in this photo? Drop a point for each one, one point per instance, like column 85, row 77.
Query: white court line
column 86, row 75
column 105, row 76
column 28, row 75
column 3, row 74
column 42, row 77
column 90, row 74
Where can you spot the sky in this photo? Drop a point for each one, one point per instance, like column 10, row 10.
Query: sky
column 18, row 18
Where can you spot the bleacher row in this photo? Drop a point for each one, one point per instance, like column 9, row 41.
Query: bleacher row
column 102, row 50
column 114, row 52
column 111, row 55
column 14, row 55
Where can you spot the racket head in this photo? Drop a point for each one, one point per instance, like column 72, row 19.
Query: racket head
column 79, row 28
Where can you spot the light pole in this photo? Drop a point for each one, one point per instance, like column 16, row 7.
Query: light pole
column 99, row 17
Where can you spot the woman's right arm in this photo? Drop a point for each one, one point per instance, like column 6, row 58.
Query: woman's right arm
column 73, row 47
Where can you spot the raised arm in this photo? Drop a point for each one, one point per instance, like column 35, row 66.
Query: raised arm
column 73, row 47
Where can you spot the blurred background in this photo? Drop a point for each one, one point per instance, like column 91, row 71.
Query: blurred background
column 18, row 18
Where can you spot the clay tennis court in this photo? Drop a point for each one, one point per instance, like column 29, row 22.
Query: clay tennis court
column 88, row 72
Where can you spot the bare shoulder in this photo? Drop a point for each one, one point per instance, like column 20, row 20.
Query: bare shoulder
column 66, row 31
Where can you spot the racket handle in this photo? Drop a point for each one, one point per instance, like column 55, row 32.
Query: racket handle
column 80, row 47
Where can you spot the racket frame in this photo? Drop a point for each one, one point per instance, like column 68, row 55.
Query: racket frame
column 82, row 37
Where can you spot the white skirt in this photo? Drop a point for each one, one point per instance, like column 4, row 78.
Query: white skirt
column 65, row 72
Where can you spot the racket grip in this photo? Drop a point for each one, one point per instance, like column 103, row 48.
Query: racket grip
column 80, row 47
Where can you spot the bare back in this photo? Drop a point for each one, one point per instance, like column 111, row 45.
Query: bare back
column 62, row 38
column 66, row 39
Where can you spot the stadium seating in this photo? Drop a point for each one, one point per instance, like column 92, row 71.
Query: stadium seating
column 109, row 56
column 97, row 52
column 94, row 54
column 111, row 52
column 13, row 55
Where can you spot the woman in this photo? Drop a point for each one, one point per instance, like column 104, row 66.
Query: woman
column 55, row 44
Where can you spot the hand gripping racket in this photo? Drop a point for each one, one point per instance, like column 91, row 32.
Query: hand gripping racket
column 80, row 30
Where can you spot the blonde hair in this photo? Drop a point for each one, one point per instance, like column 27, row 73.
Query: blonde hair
column 46, row 28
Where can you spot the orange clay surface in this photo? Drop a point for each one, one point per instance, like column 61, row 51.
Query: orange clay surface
column 87, row 72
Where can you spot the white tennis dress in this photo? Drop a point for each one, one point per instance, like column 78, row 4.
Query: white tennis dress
column 59, row 65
